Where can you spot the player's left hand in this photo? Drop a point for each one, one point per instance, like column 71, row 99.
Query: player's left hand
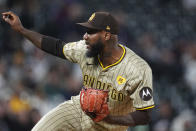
column 94, row 103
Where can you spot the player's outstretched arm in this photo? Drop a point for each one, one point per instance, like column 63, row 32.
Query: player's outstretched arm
column 48, row 44
column 16, row 25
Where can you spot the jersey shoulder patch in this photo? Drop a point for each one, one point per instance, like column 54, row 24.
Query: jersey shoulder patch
column 145, row 93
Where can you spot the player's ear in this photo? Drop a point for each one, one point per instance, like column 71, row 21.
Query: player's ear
column 107, row 36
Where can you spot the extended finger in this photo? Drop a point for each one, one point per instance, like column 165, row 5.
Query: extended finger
column 7, row 13
column 6, row 16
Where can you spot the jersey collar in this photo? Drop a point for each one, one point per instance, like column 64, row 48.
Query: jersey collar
column 121, row 58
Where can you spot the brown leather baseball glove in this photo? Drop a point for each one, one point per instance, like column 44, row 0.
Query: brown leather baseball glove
column 94, row 103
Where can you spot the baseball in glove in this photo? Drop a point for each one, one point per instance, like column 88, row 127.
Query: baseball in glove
column 94, row 103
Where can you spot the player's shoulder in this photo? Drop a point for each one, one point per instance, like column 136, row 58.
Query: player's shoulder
column 134, row 60
column 77, row 45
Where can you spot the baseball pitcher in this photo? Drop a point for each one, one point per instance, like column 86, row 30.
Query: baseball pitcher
column 117, row 84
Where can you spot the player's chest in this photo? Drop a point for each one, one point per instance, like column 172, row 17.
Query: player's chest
column 112, row 79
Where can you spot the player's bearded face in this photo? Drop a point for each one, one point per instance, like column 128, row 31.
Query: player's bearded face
column 95, row 49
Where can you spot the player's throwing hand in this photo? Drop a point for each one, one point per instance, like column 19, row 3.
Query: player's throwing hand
column 13, row 20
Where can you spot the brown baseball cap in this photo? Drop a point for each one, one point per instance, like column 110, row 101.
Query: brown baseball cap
column 102, row 21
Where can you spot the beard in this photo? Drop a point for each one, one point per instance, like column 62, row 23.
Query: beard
column 94, row 51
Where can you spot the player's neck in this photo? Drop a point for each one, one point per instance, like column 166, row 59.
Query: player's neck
column 111, row 55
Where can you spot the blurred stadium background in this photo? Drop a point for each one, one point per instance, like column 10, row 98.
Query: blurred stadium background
column 163, row 32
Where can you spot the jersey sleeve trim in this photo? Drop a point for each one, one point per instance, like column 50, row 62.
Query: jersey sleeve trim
column 63, row 51
column 145, row 108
